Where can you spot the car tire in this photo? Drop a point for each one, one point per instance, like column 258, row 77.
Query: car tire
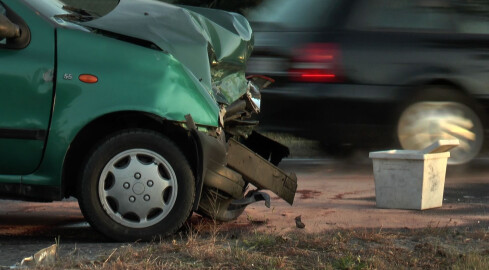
column 442, row 114
column 136, row 185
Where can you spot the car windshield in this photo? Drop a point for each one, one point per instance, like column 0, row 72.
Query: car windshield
column 71, row 10
column 294, row 14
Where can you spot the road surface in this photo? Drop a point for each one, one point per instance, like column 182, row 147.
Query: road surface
column 331, row 194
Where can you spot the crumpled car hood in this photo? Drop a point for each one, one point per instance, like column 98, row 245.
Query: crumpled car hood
column 214, row 45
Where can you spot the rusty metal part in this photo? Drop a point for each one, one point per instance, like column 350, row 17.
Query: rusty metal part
column 260, row 172
column 252, row 197
column 211, row 154
column 217, row 206
column 226, row 180
column 236, row 107
column 241, row 128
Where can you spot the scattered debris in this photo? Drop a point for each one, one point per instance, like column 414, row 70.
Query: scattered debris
column 298, row 223
column 43, row 257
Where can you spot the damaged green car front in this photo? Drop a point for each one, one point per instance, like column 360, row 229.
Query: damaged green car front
column 143, row 114
column 214, row 46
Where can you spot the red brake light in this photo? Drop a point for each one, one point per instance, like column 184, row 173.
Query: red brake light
column 316, row 62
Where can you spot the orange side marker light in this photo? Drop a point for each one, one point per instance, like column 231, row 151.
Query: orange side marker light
column 88, row 78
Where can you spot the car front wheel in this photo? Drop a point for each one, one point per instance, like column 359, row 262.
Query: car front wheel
column 136, row 185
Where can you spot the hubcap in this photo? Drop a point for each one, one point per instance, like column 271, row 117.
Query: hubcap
column 423, row 123
column 137, row 188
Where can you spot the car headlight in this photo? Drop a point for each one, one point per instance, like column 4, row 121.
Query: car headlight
column 254, row 96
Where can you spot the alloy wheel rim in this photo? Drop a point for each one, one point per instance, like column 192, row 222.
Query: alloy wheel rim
column 137, row 188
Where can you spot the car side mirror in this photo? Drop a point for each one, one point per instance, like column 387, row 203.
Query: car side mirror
column 8, row 29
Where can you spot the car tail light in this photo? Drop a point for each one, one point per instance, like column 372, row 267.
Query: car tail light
column 316, row 62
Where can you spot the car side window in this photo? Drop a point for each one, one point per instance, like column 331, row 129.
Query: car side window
column 473, row 17
column 404, row 15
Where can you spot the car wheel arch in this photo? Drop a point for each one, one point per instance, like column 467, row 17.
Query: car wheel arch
column 136, row 183
column 99, row 129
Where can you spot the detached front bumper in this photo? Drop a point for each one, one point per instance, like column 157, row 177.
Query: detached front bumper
column 228, row 167
column 260, row 172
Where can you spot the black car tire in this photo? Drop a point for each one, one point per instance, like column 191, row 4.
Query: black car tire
column 136, row 185
column 442, row 113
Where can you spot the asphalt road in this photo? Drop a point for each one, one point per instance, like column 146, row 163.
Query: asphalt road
column 331, row 194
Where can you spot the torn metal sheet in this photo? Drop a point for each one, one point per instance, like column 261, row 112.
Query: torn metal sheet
column 226, row 180
column 260, row 172
column 214, row 45
column 253, row 197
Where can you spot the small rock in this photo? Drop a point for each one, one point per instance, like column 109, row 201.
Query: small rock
column 298, row 223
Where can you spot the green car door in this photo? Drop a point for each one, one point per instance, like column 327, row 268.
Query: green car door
column 27, row 66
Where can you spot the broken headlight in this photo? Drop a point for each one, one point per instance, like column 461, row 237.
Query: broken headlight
column 254, row 96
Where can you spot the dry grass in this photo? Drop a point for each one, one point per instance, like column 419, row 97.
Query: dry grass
column 201, row 247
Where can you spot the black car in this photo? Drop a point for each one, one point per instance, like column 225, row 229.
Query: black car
column 376, row 72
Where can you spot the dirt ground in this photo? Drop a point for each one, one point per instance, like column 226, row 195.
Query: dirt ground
column 334, row 195
column 331, row 195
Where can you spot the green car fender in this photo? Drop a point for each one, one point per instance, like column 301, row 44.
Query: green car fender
column 131, row 78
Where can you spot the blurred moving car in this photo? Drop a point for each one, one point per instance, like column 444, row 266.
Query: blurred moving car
column 375, row 72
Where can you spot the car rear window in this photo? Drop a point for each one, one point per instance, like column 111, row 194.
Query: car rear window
column 295, row 14
column 424, row 15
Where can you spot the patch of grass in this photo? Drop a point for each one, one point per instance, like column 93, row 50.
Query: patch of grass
column 260, row 241
column 342, row 249
column 472, row 261
column 349, row 262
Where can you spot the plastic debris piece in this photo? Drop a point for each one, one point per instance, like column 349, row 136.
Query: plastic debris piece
column 44, row 256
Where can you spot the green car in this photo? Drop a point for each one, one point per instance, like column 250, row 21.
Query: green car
column 143, row 114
